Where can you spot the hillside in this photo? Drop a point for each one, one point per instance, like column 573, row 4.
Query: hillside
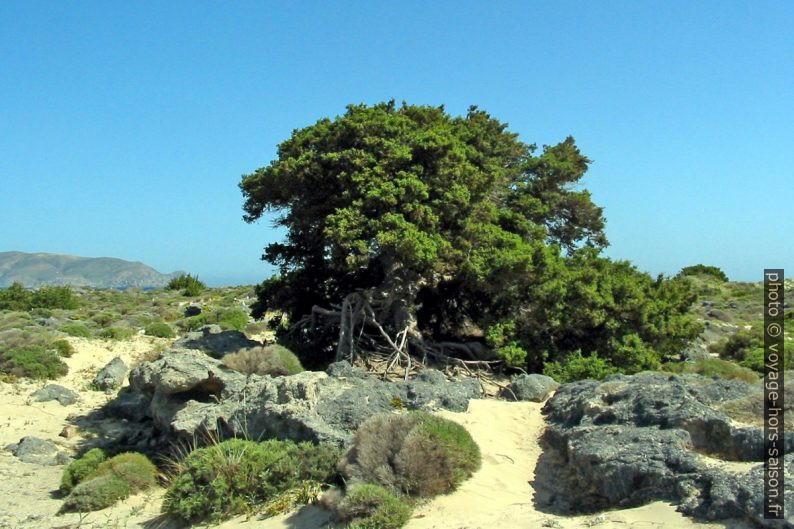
column 37, row 269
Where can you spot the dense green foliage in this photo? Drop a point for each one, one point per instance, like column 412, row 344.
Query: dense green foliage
column 413, row 453
column 188, row 284
column 234, row 476
column 701, row 269
column 79, row 469
column 94, row 482
column 577, row 367
column 116, row 333
column 159, row 329
column 368, row 506
column 32, row 361
column 63, row 348
column 453, row 227
column 16, row 297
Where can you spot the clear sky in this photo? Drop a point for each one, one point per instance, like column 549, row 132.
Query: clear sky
column 125, row 126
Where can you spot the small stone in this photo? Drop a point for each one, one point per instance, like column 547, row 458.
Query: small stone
column 68, row 432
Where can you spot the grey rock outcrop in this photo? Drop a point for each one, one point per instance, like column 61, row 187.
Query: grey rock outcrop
column 64, row 396
column 38, row 451
column 216, row 342
column 111, row 376
column 187, row 393
column 633, row 439
column 533, row 387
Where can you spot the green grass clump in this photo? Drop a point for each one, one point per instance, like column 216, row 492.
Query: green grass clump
column 32, row 361
column 109, row 481
column 713, row 367
column 577, row 367
column 188, row 284
column 415, row 453
column 232, row 319
column 63, row 348
column 75, row 329
column 116, row 333
column 159, row 329
column 235, row 476
column 273, row 360
column 369, row 506
column 81, row 468
column 96, row 494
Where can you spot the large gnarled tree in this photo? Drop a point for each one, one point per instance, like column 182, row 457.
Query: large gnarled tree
column 412, row 232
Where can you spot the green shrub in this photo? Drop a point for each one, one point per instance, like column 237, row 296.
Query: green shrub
column 701, row 269
column 81, row 468
column 415, row 453
column 273, row 360
column 578, row 367
column 130, row 467
column 96, row 482
column 368, row 506
column 160, row 330
column 194, row 323
column 54, row 298
column 189, row 285
column 713, row 367
column 63, row 348
column 75, row 329
column 116, row 333
column 738, row 345
column 16, row 297
column 32, row 361
column 96, row 494
column 755, row 360
column 234, row 476
column 104, row 319
column 232, row 319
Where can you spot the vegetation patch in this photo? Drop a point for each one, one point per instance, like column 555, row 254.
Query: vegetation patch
column 236, row 476
column 160, row 330
column 116, row 333
column 188, row 284
column 32, row 361
column 76, row 329
column 713, row 367
column 273, row 360
column 368, row 506
column 98, row 483
column 416, row 453
column 577, row 367
column 704, row 270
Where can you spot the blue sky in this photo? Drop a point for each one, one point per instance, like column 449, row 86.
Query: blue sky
column 125, row 126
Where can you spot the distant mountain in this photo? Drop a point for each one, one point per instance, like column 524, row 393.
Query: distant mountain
column 37, row 269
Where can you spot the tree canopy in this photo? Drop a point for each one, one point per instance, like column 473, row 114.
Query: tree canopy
column 413, row 232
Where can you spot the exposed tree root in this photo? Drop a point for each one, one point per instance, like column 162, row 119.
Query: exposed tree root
column 382, row 329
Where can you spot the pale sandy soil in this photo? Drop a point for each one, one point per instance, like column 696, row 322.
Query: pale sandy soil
column 500, row 495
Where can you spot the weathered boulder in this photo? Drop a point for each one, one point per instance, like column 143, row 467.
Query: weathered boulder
column 192, row 310
column 187, row 392
column 38, row 451
column 111, row 376
column 533, row 387
column 63, row 395
column 216, row 342
column 633, row 439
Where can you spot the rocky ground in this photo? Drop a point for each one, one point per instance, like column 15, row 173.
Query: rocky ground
column 630, row 452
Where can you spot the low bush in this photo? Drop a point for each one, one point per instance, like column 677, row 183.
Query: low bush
column 63, row 348
column 235, row 476
column 738, row 345
column 412, row 453
column 105, row 319
column 368, row 506
column 232, row 319
column 755, row 360
column 273, row 360
column 99, row 483
column 189, row 285
column 116, row 333
column 16, row 297
column 81, row 468
column 713, row 367
column 96, row 494
column 32, row 361
column 160, row 330
column 75, row 329
column 577, row 367
column 701, row 269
